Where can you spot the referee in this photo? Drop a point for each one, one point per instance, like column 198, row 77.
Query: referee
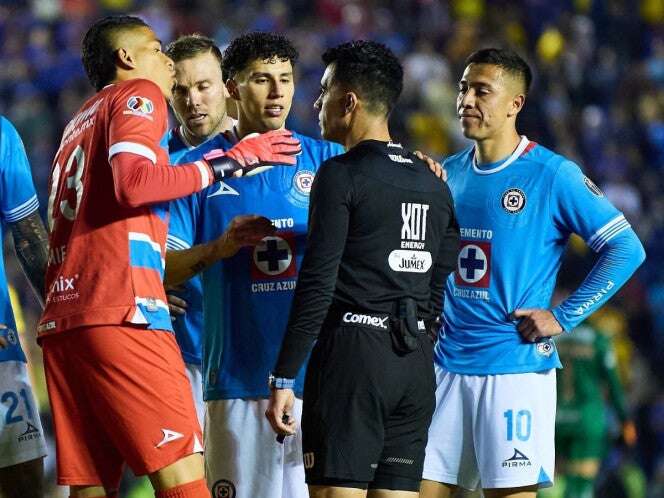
column 382, row 241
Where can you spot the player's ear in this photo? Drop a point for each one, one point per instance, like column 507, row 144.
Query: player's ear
column 350, row 102
column 232, row 88
column 517, row 104
column 124, row 58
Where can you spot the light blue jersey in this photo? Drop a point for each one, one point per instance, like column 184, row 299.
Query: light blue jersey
column 515, row 217
column 247, row 297
column 188, row 327
column 17, row 200
column 177, row 145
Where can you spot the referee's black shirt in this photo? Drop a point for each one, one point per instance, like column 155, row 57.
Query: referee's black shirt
column 381, row 227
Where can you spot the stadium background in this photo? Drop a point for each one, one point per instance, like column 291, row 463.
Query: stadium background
column 598, row 97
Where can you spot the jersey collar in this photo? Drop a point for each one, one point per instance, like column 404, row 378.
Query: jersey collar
column 501, row 165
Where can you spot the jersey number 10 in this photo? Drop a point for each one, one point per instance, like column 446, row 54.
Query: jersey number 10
column 521, row 424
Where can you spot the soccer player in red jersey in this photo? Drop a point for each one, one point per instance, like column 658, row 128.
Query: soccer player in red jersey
column 116, row 380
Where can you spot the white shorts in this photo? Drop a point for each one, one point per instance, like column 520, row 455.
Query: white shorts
column 21, row 433
column 195, row 376
column 493, row 431
column 243, row 458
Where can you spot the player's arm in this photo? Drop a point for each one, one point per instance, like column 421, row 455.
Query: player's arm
column 140, row 169
column 139, row 179
column 19, row 208
column 329, row 212
column 446, row 260
column 579, row 207
column 31, row 244
column 243, row 230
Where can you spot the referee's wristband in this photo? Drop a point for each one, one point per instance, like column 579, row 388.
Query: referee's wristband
column 280, row 382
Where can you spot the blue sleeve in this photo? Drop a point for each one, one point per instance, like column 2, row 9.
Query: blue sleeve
column 618, row 260
column 579, row 206
column 18, row 198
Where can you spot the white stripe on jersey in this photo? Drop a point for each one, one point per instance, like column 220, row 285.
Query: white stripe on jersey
column 175, row 243
column 134, row 148
column 20, row 212
column 144, row 237
column 150, row 301
column 205, row 174
column 513, row 157
column 607, row 232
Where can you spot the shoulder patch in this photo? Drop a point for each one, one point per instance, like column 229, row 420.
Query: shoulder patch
column 592, row 187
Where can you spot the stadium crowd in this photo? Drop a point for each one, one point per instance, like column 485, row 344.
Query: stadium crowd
column 598, row 98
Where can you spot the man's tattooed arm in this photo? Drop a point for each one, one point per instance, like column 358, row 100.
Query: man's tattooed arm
column 31, row 243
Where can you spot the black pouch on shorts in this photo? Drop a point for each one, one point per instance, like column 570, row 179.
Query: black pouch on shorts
column 403, row 327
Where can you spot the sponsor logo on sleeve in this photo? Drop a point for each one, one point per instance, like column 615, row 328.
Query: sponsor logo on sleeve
column 513, row 200
column 140, row 106
column 590, row 185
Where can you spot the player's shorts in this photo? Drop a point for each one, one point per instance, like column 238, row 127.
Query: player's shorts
column 118, row 395
column 195, row 376
column 243, row 458
column 493, row 431
column 21, row 433
column 581, row 431
column 366, row 408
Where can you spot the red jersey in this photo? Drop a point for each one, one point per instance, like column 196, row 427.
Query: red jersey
column 107, row 226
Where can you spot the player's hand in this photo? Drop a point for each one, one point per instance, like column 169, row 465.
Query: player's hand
column 535, row 324
column 243, row 230
column 629, row 433
column 3, row 340
column 176, row 305
column 435, row 167
column 280, row 408
column 272, row 147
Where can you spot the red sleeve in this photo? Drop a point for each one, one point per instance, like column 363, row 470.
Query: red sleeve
column 141, row 173
column 138, row 182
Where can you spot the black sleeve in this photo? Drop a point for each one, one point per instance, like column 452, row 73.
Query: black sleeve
column 329, row 211
column 446, row 261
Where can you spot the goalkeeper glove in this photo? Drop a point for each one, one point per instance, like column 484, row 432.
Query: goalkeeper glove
column 272, row 147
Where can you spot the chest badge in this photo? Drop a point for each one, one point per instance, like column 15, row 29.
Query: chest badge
column 303, row 180
column 513, row 200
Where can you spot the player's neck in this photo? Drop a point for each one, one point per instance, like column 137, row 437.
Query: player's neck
column 491, row 150
column 194, row 140
column 368, row 130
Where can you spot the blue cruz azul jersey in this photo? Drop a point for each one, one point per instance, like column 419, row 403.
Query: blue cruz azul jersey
column 188, row 327
column 515, row 218
column 17, row 200
column 247, row 297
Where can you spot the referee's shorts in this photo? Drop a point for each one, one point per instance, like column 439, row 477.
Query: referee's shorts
column 367, row 407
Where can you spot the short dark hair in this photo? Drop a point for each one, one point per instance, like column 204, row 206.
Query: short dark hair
column 98, row 52
column 246, row 48
column 189, row 46
column 370, row 69
column 506, row 59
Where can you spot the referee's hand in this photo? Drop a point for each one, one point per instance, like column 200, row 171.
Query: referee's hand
column 280, row 404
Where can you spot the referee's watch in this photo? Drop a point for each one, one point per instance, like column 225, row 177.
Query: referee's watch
column 280, row 382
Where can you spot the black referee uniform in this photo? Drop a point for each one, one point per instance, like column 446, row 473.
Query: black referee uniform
column 382, row 240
